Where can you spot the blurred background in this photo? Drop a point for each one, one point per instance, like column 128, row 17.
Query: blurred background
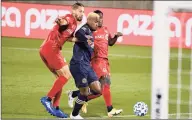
column 144, row 4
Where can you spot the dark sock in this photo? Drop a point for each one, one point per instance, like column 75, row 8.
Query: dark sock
column 78, row 104
column 109, row 108
column 75, row 93
column 49, row 99
column 57, row 107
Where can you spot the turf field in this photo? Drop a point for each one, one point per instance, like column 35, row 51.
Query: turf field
column 25, row 79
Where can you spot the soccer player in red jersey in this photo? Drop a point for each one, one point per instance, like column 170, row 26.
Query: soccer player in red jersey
column 50, row 52
column 100, row 61
column 100, row 65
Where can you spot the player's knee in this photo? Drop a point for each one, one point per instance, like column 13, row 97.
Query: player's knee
column 68, row 74
column 64, row 72
column 84, row 91
column 105, row 80
column 97, row 90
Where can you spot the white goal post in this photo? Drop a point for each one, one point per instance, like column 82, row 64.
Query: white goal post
column 160, row 57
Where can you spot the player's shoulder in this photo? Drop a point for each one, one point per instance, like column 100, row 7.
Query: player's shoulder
column 105, row 28
column 85, row 28
column 69, row 18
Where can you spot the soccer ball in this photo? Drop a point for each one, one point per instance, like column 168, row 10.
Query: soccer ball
column 140, row 109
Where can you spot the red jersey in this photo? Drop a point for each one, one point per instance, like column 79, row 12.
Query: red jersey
column 59, row 38
column 101, row 37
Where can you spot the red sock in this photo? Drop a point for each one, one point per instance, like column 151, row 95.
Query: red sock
column 107, row 95
column 58, row 85
column 57, row 99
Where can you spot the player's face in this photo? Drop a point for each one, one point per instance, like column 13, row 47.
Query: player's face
column 100, row 24
column 79, row 13
column 94, row 23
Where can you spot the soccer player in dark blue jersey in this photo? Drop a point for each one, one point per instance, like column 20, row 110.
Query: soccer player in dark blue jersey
column 85, row 78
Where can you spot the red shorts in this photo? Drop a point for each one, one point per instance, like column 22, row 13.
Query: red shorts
column 53, row 59
column 100, row 66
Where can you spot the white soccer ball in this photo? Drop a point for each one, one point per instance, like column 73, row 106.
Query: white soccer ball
column 140, row 109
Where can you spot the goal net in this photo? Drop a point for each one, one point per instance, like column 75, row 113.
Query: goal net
column 172, row 60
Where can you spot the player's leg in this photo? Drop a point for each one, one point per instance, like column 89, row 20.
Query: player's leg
column 44, row 100
column 61, row 69
column 81, row 82
column 95, row 88
column 92, row 94
column 106, row 92
column 56, row 100
column 56, row 90
column 63, row 76
column 81, row 99
column 71, row 96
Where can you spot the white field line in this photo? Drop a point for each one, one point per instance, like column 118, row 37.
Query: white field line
column 66, row 50
column 127, row 116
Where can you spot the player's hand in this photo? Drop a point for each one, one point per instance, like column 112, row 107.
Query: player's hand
column 61, row 21
column 58, row 20
column 72, row 39
column 89, row 42
column 118, row 34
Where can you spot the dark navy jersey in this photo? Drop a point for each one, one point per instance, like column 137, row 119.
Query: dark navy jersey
column 83, row 49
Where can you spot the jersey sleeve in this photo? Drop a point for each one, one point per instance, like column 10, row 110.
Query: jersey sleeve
column 68, row 18
column 68, row 32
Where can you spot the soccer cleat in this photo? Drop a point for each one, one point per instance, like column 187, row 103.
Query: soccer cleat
column 84, row 107
column 70, row 98
column 48, row 105
column 75, row 117
column 114, row 112
column 59, row 113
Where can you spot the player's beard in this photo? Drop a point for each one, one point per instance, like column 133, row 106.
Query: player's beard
column 100, row 25
column 79, row 18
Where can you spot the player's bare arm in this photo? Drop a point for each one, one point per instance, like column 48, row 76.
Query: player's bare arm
column 72, row 39
column 113, row 40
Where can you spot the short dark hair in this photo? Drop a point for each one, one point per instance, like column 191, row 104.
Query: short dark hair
column 77, row 5
column 98, row 12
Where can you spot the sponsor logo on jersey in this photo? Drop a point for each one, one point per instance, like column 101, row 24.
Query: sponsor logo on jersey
column 70, row 31
column 102, row 36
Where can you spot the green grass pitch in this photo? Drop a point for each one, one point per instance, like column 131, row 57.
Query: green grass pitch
column 25, row 79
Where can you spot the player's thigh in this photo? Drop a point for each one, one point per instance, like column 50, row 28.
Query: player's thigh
column 47, row 64
column 100, row 67
column 79, row 75
column 57, row 61
column 93, row 81
column 64, row 71
column 59, row 64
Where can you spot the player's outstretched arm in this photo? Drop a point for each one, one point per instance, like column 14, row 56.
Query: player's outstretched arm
column 113, row 40
column 72, row 39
